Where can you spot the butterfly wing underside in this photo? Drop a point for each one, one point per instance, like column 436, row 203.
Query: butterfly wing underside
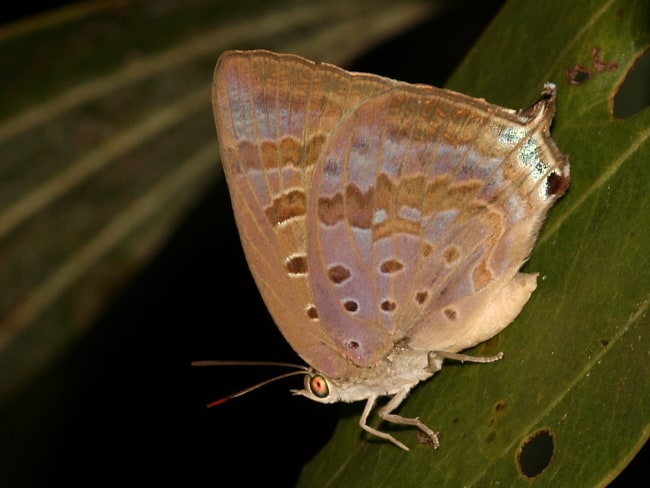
column 373, row 211
column 424, row 207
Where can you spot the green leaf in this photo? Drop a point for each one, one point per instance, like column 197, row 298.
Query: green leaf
column 576, row 359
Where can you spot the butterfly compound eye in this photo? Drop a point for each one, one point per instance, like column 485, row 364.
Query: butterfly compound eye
column 318, row 386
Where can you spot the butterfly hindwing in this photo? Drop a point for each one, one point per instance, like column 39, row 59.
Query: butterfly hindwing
column 414, row 216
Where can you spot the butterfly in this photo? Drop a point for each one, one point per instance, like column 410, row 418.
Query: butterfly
column 384, row 223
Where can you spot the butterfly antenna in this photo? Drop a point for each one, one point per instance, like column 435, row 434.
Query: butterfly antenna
column 302, row 370
column 250, row 363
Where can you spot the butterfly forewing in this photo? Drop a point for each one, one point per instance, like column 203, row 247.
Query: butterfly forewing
column 274, row 114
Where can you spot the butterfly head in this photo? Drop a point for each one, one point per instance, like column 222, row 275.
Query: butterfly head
column 323, row 389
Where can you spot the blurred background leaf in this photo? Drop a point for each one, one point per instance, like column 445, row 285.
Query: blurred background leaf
column 120, row 262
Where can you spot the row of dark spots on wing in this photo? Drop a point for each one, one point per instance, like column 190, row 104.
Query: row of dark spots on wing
column 358, row 208
column 296, row 266
column 271, row 155
column 338, row 274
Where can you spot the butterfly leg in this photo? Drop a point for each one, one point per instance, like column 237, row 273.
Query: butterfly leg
column 385, row 414
column 370, row 404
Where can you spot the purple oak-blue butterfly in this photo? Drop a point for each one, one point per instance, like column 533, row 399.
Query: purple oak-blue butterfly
column 385, row 223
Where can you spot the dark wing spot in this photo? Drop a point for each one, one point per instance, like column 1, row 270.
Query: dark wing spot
column 297, row 265
column 359, row 207
column 268, row 151
column 290, row 151
column 388, row 306
column 391, row 266
column 338, row 274
column 450, row 313
column 352, row 344
column 286, row 206
column 330, row 210
column 312, row 312
column 482, row 276
column 555, row 184
column 351, row 306
column 451, row 254
column 421, row 296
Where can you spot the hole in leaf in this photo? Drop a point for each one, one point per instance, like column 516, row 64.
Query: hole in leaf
column 535, row 453
column 634, row 93
column 578, row 75
column 500, row 406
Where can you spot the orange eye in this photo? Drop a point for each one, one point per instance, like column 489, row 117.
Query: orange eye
column 318, row 386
